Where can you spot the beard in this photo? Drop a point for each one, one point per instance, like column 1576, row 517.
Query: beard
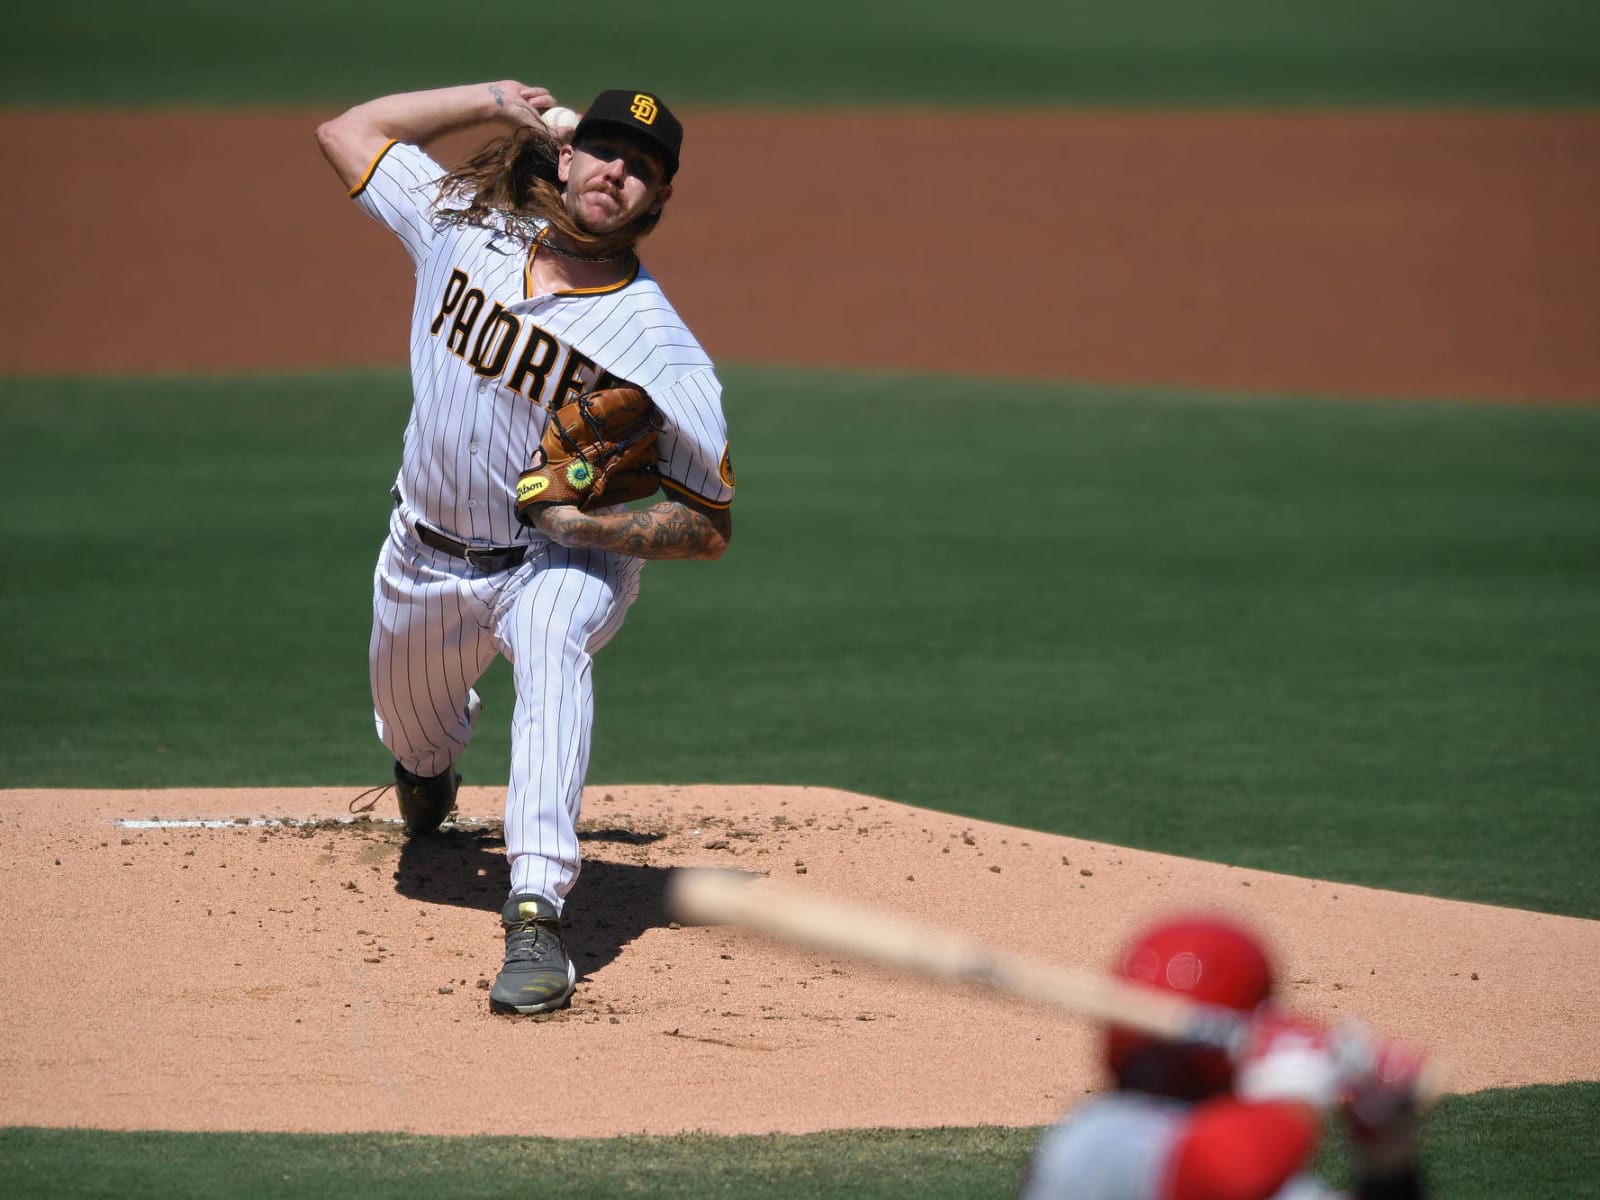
column 612, row 235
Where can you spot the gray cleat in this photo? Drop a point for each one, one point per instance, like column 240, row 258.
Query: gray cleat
column 537, row 975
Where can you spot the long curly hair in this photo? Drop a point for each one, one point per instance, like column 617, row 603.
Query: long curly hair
column 514, row 178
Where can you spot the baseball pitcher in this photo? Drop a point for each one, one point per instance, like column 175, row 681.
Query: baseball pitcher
column 552, row 383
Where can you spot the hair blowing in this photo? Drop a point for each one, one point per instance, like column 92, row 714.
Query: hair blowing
column 516, row 175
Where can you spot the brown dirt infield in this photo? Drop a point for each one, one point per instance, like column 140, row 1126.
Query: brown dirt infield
column 329, row 978
column 1449, row 254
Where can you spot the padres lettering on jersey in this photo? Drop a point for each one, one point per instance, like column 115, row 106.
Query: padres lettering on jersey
column 491, row 349
column 490, row 360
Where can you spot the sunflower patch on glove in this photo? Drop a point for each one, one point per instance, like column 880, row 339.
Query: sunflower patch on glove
column 600, row 449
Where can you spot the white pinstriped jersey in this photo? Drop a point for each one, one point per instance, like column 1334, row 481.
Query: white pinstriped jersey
column 489, row 361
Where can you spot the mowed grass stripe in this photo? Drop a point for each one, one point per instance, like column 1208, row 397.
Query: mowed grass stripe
column 1525, row 1142
column 699, row 52
column 1352, row 641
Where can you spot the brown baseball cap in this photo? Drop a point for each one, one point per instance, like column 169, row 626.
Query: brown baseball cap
column 640, row 113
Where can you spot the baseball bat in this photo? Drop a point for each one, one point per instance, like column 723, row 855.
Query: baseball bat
column 709, row 896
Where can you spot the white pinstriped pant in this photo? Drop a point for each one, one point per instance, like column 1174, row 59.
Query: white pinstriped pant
column 438, row 623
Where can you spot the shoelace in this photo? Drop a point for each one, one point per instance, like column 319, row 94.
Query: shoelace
column 375, row 792
column 523, row 940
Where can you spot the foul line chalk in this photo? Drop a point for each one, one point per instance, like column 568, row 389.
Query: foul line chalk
column 254, row 823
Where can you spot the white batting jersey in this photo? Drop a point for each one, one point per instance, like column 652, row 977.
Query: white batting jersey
column 490, row 361
column 1120, row 1146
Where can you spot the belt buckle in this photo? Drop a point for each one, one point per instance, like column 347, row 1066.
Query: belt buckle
column 498, row 559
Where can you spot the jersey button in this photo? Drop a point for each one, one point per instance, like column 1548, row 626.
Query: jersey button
column 472, row 448
column 472, row 504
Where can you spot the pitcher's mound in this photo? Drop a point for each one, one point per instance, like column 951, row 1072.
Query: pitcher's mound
column 257, row 960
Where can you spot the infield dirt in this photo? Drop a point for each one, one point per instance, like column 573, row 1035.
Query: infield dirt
column 332, row 977
column 1378, row 254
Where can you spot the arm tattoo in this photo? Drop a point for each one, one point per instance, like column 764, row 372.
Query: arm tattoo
column 499, row 96
column 667, row 530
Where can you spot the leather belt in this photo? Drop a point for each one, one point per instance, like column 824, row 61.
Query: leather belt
column 485, row 558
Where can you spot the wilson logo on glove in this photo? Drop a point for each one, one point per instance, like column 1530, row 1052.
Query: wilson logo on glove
column 598, row 450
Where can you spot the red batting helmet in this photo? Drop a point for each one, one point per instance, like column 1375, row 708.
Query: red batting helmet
column 1209, row 958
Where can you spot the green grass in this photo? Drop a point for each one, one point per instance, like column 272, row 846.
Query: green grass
column 1534, row 1142
column 1529, row 1142
column 946, row 1164
column 701, row 52
column 1351, row 641
column 1356, row 641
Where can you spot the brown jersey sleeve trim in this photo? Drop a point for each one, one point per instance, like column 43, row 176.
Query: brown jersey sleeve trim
column 367, row 178
column 674, row 485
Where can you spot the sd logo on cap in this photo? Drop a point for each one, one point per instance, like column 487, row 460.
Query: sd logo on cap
column 640, row 113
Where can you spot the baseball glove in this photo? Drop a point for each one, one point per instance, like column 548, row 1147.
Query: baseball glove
column 599, row 449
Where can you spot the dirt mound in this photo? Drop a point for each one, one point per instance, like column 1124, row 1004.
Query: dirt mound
column 310, row 973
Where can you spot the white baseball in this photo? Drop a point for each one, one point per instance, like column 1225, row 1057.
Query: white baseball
column 561, row 121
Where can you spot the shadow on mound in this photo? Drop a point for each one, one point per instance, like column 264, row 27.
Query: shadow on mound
column 611, row 904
